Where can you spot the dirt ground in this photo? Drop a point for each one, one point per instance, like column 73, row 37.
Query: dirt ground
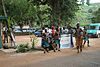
column 24, row 40
column 17, row 59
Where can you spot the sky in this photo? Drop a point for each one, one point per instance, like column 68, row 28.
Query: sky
column 94, row 1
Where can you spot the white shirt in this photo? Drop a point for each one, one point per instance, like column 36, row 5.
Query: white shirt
column 50, row 31
column 43, row 31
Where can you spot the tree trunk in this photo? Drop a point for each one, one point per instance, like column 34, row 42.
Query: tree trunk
column 55, row 12
column 4, row 10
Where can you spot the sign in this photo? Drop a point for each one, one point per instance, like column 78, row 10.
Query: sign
column 15, row 44
column 3, row 18
column 65, row 41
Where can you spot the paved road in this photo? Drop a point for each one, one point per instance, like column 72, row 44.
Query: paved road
column 89, row 59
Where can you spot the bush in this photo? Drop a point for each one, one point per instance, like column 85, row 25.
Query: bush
column 5, row 47
column 33, row 38
column 23, row 48
column 9, row 47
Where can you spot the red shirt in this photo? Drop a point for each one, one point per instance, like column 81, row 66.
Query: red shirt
column 53, row 31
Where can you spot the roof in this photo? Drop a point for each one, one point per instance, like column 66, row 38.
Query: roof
column 3, row 18
column 96, row 24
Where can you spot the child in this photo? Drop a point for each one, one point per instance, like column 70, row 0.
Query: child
column 45, row 44
column 53, row 44
column 57, row 36
column 86, row 38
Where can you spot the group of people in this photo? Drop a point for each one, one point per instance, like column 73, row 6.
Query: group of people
column 51, row 37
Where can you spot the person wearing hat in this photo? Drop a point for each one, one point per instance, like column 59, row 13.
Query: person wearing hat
column 79, row 38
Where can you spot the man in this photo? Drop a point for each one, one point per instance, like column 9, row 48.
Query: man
column 79, row 38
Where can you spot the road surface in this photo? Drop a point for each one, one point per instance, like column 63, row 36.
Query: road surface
column 90, row 57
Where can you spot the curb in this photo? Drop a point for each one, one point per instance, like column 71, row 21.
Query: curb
column 7, row 51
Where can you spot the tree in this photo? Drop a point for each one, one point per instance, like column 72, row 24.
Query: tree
column 96, row 18
column 40, row 12
column 60, row 11
column 1, row 10
column 17, row 10
column 4, row 10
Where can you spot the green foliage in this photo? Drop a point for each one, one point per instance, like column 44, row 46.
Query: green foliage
column 57, row 11
column 84, row 15
column 1, row 10
column 51, row 12
column 23, row 48
column 5, row 47
column 40, row 12
column 96, row 18
column 17, row 9
column 8, row 47
column 84, row 24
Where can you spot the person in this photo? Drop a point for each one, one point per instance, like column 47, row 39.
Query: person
column 57, row 39
column 79, row 38
column 42, row 31
column 85, row 37
column 5, row 34
column 70, row 31
column 53, row 31
column 60, row 29
column 9, row 34
column 46, row 33
column 45, row 44
column 50, row 30
column 63, row 30
column 53, row 43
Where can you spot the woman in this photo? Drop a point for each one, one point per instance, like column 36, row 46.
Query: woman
column 79, row 38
